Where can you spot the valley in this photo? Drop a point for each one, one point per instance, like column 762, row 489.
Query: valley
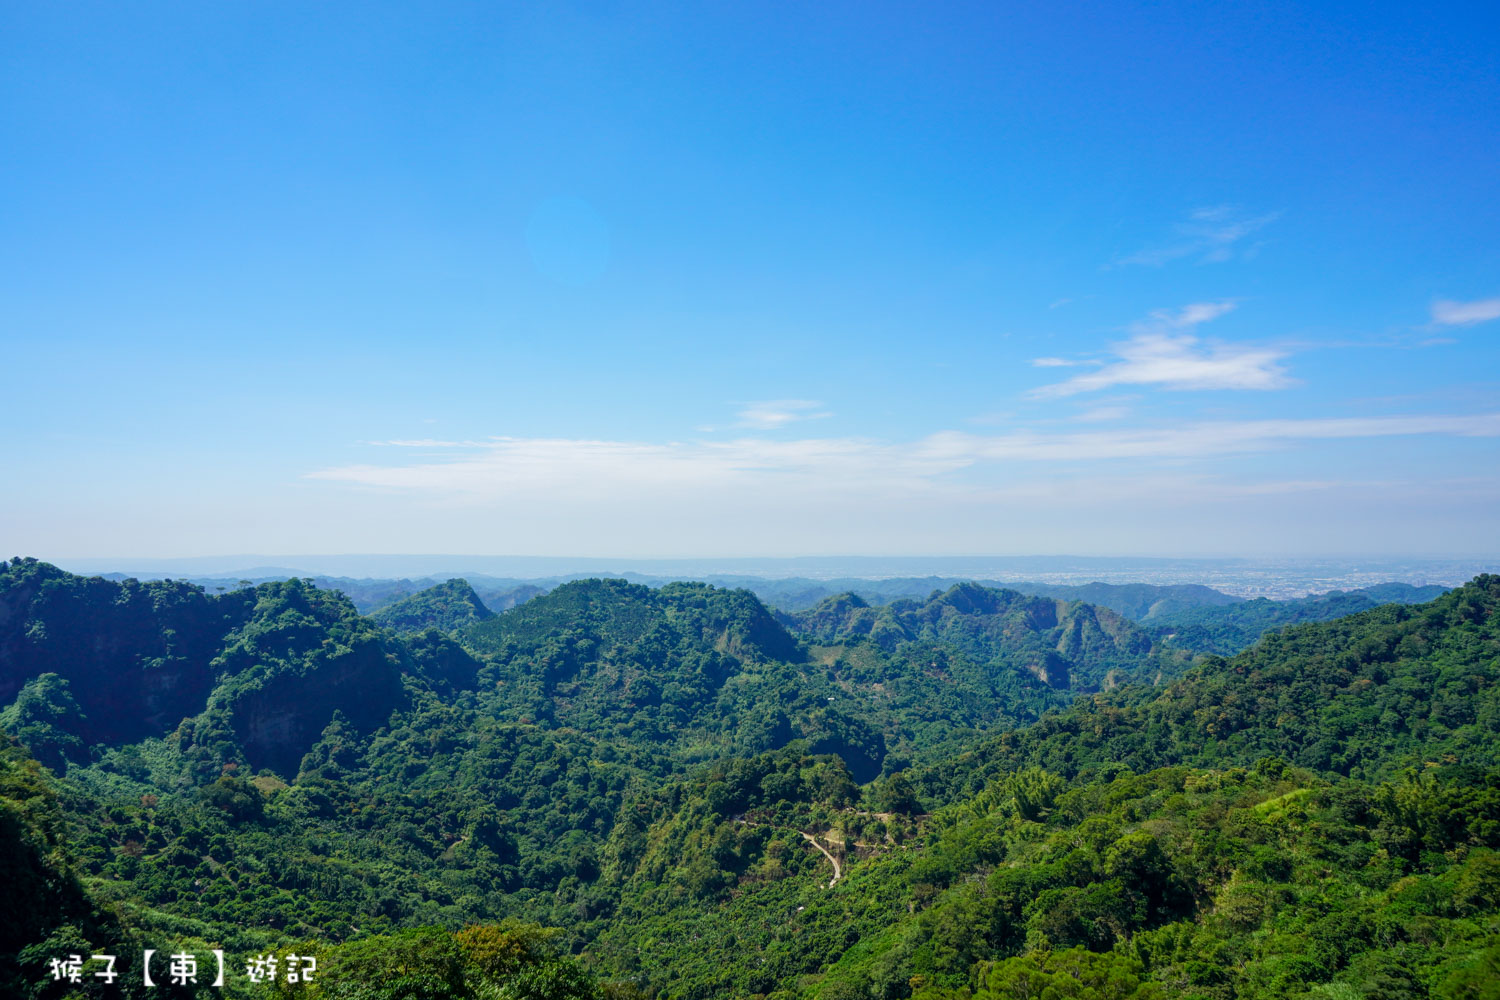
column 678, row 791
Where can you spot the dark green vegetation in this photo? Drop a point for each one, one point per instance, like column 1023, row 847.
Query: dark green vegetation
column 1133, row 600
column 446, row 607
column 975, row 794
column 1227, row 629
column 370, row 595
column 1187, row 616
column 1068, row 646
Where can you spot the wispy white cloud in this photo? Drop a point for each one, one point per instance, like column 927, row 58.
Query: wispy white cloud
column 1195, row 440
column 1101, row 414
column 773, row 413
column 1061, row 362
column 845, row 466
column 1164, row 351
column 1446, row 312
column 1187, row 317
column 1210, row 235
column 568, row 467
column 1111, row 487
column 430, row 443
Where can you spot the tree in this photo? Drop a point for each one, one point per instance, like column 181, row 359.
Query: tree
column 896, row 794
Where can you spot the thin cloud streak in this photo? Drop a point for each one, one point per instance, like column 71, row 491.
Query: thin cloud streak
column 1210, row 235
column 1100, row 414
column 431, row 443
column 1201, row 440
column 1061, row 363
column 771, row 414
column 1446, row 312
column 841, row 466
column 1164, row 351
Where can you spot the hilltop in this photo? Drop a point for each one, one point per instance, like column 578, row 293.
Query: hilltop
column 446, row 607
column 1014, row 789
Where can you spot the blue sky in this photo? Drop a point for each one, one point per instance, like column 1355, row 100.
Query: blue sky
column 750, row 280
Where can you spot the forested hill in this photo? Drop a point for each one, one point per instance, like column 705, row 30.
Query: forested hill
column 1068, row 645
column 1136, row 601
column 1227, row 629
column 1398, row 686
column 138, row 654
column 979, row 795
column 446, row 607
column 1138, row 845
column 252, row 675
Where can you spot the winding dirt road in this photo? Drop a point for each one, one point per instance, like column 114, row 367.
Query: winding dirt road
column 838, row 871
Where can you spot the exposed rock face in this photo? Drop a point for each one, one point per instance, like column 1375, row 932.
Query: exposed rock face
column 1051, row 669
column 278, row 722
column 1068, row 645
column 137, row 655
column 261, row 670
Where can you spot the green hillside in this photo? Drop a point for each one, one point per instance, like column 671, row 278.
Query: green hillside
column 446, row 607
column 614, row 791
column 1067, row 645
column 1395, row 687
column 1227, row 629
column 1135, row 601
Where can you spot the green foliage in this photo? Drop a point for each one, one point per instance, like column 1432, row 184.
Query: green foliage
column 690, row 670
column 511, row 961
column 236, row 797
column 895, row 794
column 446, row 607
column 1067, row 646
column 1074, row 973
column 1228, row 629
column 699, row 803
column 135, row 654
column 1366, row 696
column 45, row 717
column 48, row 912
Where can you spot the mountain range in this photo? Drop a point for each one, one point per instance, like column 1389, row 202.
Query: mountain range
column 613, row 789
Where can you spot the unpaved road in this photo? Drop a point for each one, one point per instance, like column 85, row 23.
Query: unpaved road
column 838, row 872
column 838, row 869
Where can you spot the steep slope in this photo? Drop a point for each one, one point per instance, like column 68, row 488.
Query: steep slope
column 505, row 598
column 136, row 655
column 304, row 655
column 1162, row 848
column 693, row 669
column 1393, row 687
column 1070, row 646
column 1136, row 601
column 849, row 617
column 1228, row 629
column 448, row 606
column 1316, row 818
column 47, row 911
column 251, row 676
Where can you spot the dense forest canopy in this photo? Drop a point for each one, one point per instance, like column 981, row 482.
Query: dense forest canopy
column 615, row 790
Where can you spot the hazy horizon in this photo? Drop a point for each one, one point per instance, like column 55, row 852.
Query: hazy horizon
column 1244, row 577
